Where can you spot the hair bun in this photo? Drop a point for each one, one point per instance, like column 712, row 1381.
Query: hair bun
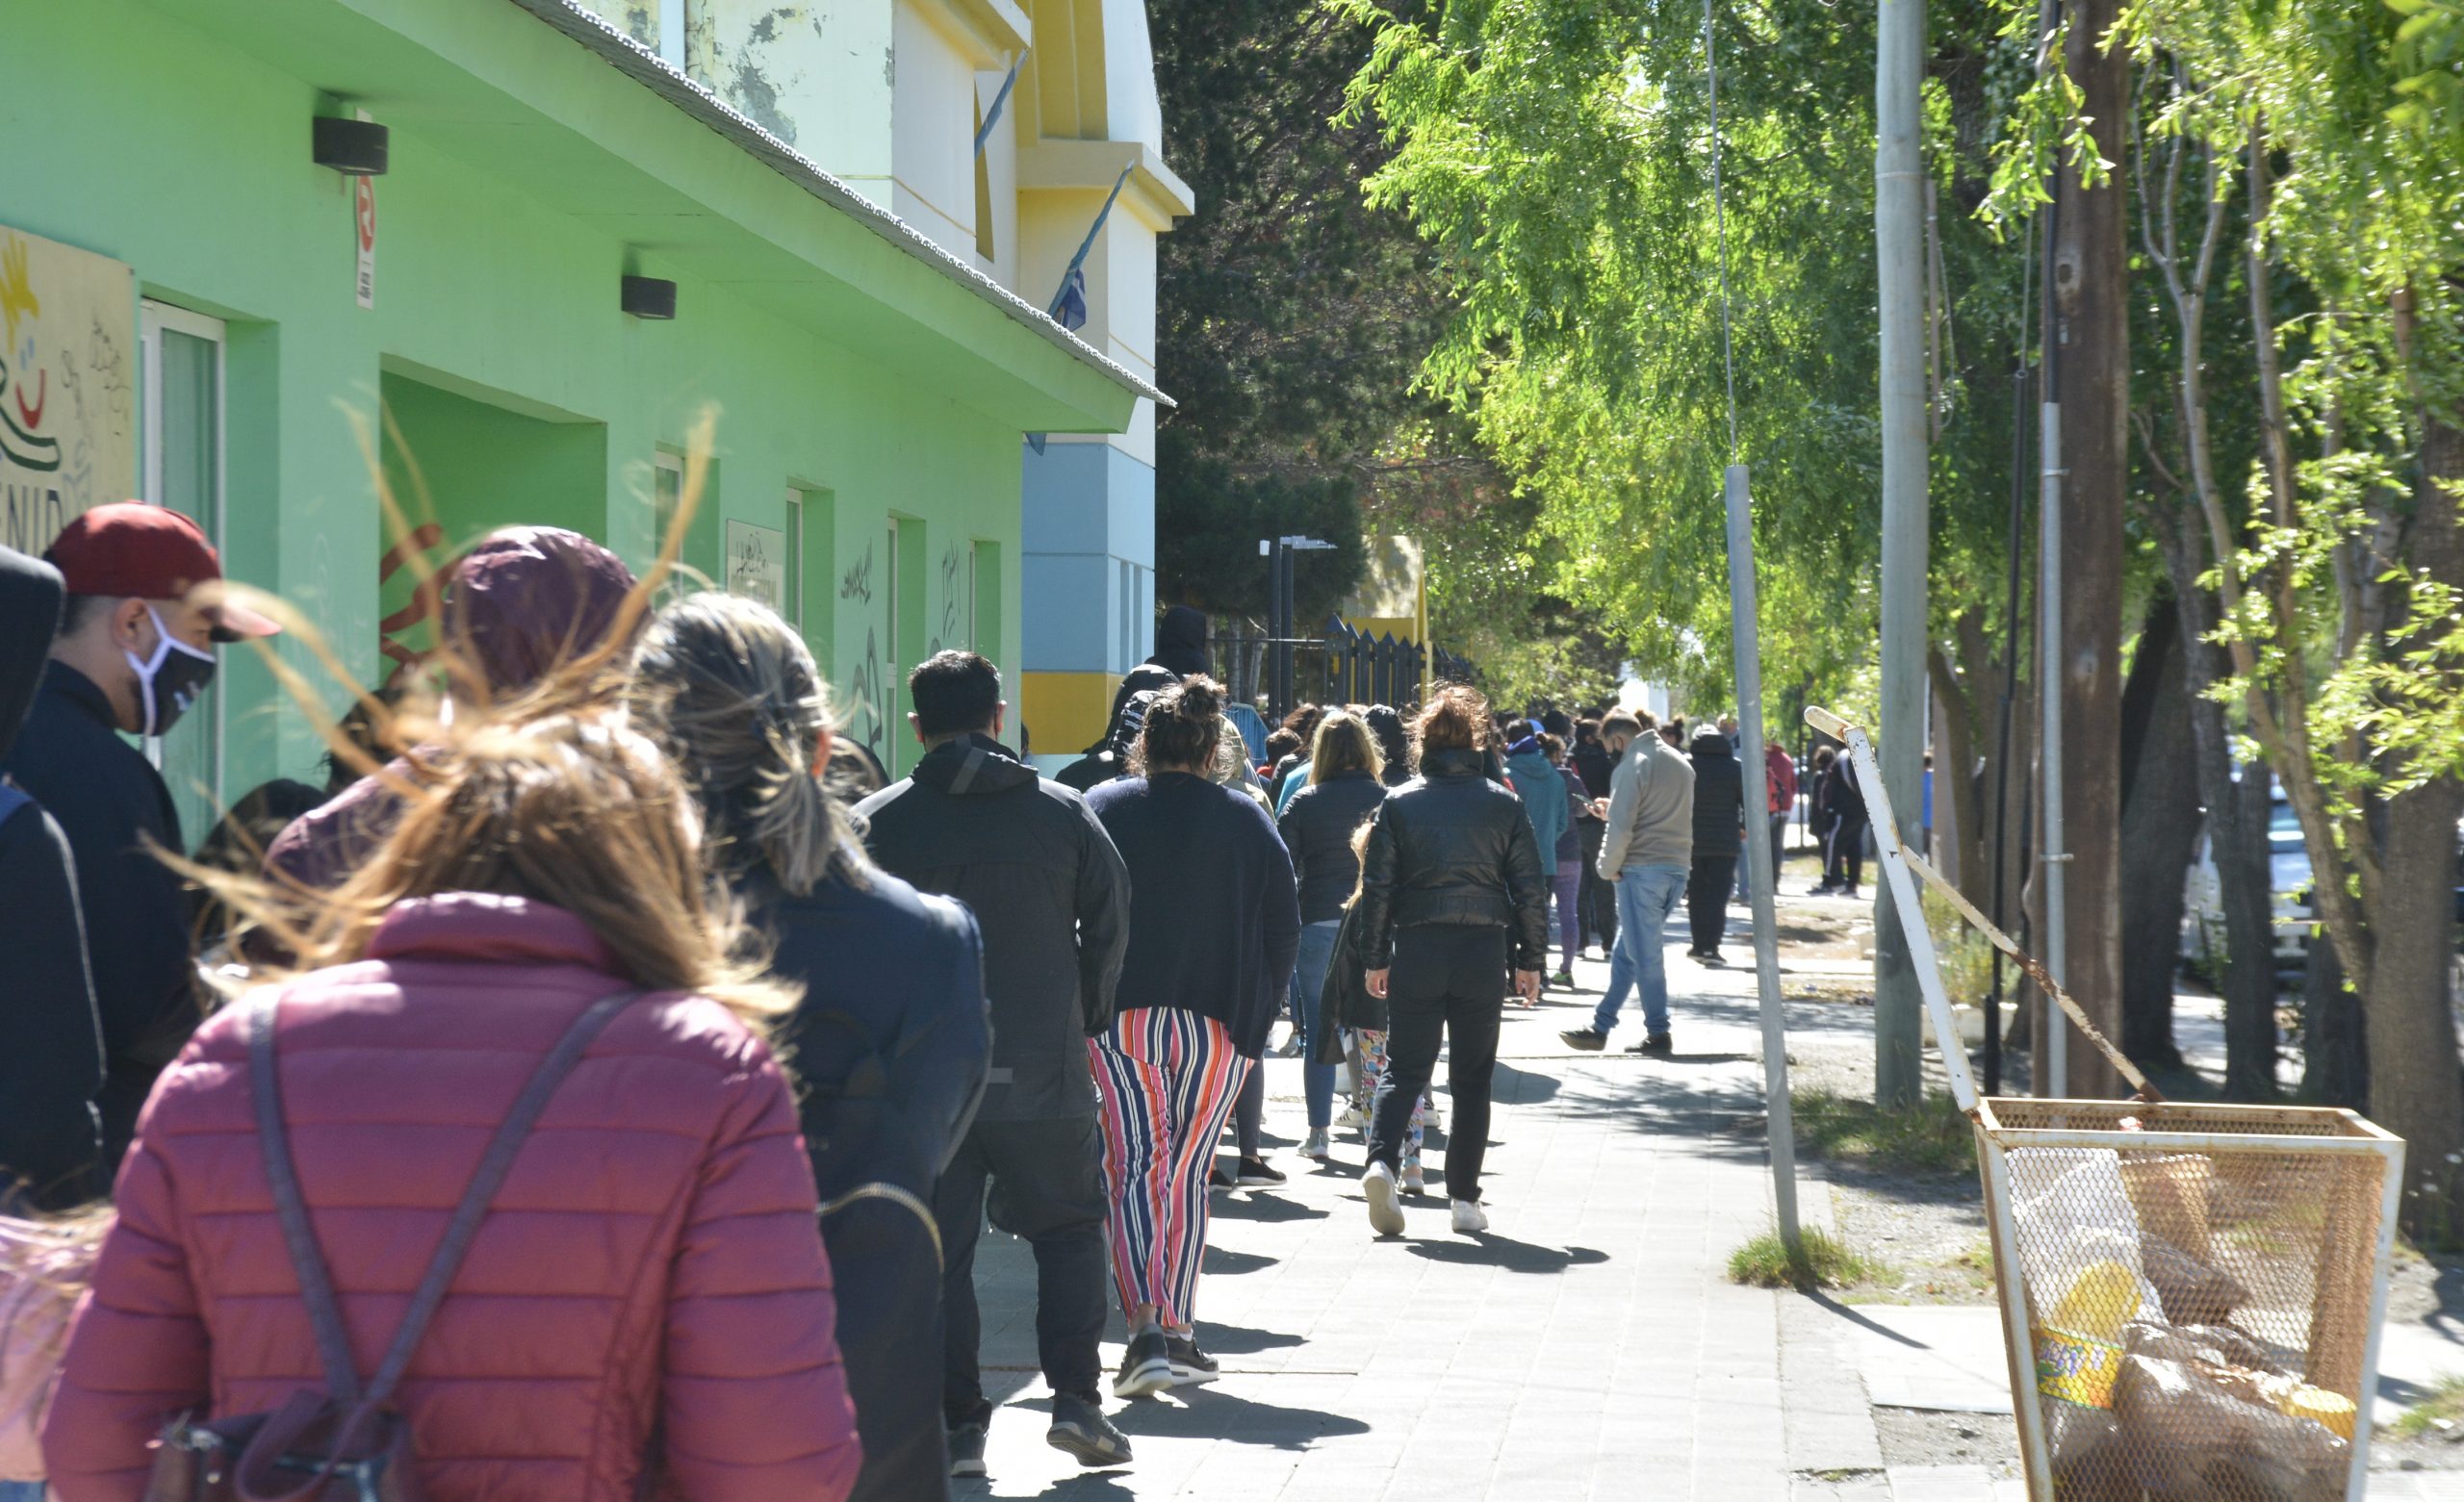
column 1202, row 697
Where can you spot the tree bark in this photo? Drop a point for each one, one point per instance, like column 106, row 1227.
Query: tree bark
column 2091, row 292
column 2160, row 822
column 2335, row 1055
column 2416, row 1084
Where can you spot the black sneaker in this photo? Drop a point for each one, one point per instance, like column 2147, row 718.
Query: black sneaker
column 1584, row 1039
column 1657, row 1044
column 1147, row 1367
column 1258, row 1171
column 1712, row 956
column 1191, row 1366
column 1220, row 1177
column 966, row 1450
column 1079, row 1430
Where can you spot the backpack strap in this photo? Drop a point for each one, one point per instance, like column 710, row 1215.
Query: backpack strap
column 315, row 1284
column 474, row 1208
column 291, row 1210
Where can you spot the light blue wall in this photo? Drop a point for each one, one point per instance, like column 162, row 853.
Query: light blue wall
column 1088, row 508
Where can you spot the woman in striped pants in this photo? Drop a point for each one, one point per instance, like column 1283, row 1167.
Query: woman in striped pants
column 1214, row 927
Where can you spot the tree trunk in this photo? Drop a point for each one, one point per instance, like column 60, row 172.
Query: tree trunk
column 2335, row 1059
column 2416, row 1083
column 2160, row 818
column 2237, row 832
column 2092, row 293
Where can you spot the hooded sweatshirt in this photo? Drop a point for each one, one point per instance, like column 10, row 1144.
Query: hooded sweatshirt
column 525, row 601
column 51, row 1049
column 1534, row 778
column 1180, row 640
column 1109, row 757
column 1719, row 796
column 117, row 813
column 1050, row 895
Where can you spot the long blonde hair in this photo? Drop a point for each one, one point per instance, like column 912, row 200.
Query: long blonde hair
column 574, row 810
column 733, row 692
column 1343, row 743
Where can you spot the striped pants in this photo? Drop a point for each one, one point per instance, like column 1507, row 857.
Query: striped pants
column 1169, row 1078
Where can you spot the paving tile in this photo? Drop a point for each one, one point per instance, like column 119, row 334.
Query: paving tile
column 1588, row 1347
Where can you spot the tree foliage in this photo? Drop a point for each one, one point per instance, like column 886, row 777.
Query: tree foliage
column 1558, row 158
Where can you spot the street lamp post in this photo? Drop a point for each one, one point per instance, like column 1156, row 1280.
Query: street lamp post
column 1279, row 552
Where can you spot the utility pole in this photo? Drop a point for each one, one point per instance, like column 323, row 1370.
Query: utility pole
column 2090, row 361
column 1899, row 241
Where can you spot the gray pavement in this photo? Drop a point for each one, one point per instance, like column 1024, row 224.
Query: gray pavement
column 1588, row 1346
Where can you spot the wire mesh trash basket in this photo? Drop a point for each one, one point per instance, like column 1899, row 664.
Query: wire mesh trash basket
column 2191, row 1293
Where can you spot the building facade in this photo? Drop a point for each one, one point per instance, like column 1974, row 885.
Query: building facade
column 200, row 313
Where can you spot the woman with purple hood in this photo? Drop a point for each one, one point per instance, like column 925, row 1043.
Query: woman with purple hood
column 524, row 603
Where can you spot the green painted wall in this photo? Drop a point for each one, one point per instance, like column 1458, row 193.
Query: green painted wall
column 524, row 392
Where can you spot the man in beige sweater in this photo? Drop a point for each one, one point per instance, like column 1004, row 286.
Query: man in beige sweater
column 1649, row 851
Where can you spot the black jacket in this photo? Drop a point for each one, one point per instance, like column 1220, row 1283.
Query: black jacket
column 1214, row 916
column 1719, row 798
column 51, row 1049
column 1052, row 897
column 889, row 1051
column 1452, row 847
column 1839, row 799
column 1343, row 1003
column 1109, row 757
column 1595, row 766
column 112, row 804
column 1317, row 827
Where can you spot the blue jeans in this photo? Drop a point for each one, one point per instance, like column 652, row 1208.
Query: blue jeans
column 21, row 1491
column 1646, row 896
column 1308, row 982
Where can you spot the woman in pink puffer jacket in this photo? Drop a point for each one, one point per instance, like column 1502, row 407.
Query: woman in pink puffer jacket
column 649, row 1291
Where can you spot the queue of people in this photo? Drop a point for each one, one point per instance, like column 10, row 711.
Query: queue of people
column 603, row 1083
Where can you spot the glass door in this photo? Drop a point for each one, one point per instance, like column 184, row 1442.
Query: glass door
column 182, row 426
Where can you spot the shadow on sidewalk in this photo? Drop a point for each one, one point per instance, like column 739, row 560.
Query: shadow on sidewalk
column 1212, row 1414
column 1221, row 1262
column 1244, row 1341
column 1486, row 1249
column 1263, row 1205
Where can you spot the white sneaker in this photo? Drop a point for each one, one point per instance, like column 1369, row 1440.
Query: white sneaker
column 1415, row 1182
column 1469, row 1217
column 1385, row 1215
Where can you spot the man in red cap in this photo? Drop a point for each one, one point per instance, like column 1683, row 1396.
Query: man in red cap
column 134, row 653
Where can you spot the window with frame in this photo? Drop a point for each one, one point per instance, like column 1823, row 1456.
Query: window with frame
column 180, row 358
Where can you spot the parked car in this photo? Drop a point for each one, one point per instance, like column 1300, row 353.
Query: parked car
column 2203, row 946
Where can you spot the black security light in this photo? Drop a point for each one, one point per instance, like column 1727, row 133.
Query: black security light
column 650, row 297
column 354, row 148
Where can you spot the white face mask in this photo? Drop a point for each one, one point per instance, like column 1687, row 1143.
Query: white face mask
column 171, row 680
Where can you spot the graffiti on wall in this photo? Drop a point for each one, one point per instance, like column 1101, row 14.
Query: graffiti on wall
column 67, row 387
column 953, row 618
column 867, row 709
column 758, row 563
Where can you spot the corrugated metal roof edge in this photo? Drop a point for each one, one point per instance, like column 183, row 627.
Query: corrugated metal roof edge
column 647, row 68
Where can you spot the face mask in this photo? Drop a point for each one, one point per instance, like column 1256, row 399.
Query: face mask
column 171, row 680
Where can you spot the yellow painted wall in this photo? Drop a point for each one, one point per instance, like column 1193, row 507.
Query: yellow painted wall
column 1064, row 712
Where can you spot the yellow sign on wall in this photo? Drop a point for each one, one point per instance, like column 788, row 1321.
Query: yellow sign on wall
column 67, row 387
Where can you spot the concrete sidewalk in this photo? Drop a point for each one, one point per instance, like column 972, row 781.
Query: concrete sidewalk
column 1588, row 1347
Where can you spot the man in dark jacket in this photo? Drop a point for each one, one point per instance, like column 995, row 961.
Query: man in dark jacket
column 134, row 653
column 1597, row 899
column 1719, row 820
column 1052, row 898
column 51, row 1047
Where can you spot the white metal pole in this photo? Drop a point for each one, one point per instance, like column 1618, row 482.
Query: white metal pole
column 1762, row 876
column 1899, row 236
column 2053, row 1050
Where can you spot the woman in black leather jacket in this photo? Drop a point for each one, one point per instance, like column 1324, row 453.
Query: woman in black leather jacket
column 1452, row 896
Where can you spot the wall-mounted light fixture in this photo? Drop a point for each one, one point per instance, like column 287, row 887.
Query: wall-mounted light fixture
column 354, row 148
column 650, row 297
